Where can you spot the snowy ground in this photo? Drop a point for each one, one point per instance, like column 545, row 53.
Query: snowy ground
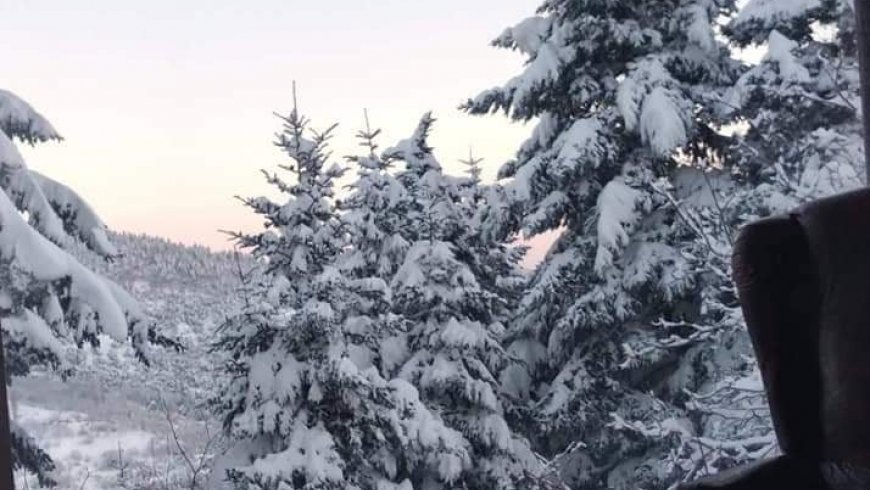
column 101, row 440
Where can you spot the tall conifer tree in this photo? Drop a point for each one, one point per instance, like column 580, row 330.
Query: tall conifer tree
column 304, row 409
column 624, row 97
column 797, row 139
column 48, row 299
column 448, row 293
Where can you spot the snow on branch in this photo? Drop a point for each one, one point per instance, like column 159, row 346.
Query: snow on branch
column 77, row 215
column 617, row 215
column 47, row 262
column 18, row 119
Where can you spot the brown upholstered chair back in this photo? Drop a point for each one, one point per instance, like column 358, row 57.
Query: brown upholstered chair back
column 804, row 283
column 778, row 289
column 838, row 233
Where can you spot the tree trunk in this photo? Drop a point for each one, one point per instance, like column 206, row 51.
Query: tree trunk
column 6, row 477
column 862, row 21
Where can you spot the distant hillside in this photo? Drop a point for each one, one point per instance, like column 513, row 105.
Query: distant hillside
column 187, row 291
column 158, row 261
column 174, row 282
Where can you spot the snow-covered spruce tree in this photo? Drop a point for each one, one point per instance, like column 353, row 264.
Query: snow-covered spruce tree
column 373, row 214
column 472, row 188
column 800, row 104
column 723, row 419
column 303, row 414
column 624, row 95
column 496, row 264
column 454, row 325
column 48, row 298
column 801, row 142
column 495, row 260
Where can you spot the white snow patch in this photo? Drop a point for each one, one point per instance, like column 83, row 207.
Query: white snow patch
column 774, row 11
column 662, row 122
column 617, row 216
column 779, row 50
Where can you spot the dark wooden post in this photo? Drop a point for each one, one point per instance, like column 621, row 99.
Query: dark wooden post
column 862, row 22
column 6, row 476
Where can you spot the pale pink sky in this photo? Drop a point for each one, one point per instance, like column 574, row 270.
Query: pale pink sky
column 167, row 106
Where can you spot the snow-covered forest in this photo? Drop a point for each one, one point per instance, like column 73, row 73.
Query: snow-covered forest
column 379, row 330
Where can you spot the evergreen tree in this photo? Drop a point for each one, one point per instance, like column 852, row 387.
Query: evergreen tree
column 373, row 210
column 624, row 95
column 454, row 323
column 799, row 105
column 302, row 412
column 799, row 140
column 373, row 217
column 495, row 261
column 48, row 299
column 473, row 185
column 496, row 264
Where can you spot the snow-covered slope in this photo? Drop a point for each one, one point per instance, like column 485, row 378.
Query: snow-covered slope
column 107, row 426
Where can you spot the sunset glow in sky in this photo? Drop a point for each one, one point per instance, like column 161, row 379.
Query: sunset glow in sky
column 167, row 106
